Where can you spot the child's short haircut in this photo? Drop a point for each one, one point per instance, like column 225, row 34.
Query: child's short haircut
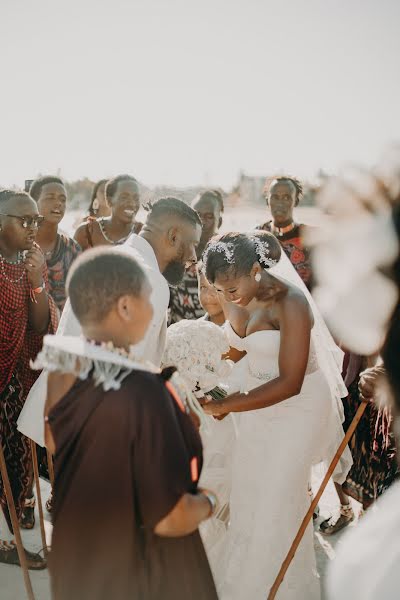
column 98, row 278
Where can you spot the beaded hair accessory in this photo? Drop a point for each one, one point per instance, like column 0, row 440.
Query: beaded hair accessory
column 225, row 248
column 262, row 251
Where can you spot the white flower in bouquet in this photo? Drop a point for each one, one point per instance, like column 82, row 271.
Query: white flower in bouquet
column 195, row 348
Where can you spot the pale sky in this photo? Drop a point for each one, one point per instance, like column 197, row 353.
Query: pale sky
column 191, row 92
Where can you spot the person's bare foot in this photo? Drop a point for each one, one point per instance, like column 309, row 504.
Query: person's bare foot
column 49, row 503
column 27, row 520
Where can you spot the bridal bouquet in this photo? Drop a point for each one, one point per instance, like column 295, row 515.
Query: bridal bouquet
column 195, row 348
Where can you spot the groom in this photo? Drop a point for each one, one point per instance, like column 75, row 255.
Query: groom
column 165, row 247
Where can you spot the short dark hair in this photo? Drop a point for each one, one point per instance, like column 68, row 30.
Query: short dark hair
column 244, row 251
column 6, row 195
column 94, row 194
column 98, row 278
column 213, row 195
column 36, row 188
column 168, row 206
column 280, row 178
column 112, row 184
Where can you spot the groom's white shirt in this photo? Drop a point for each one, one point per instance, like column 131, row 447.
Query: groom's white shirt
column 153, row 344
column 30, row 422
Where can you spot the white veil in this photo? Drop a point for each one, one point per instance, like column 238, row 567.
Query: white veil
column 330, row 361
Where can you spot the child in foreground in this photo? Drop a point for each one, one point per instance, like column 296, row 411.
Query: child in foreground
column 127, row 457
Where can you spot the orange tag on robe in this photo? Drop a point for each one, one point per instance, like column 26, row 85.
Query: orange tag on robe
column 175, row 395
column 194, row 469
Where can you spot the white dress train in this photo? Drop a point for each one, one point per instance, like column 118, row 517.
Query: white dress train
column 218, row 441
column 271, row 463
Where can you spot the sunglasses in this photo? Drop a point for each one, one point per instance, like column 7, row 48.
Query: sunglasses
column 26, row 222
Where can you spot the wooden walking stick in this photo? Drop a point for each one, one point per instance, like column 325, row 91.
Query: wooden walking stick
column 15, row 524
column 39, row 497
column 310, row 512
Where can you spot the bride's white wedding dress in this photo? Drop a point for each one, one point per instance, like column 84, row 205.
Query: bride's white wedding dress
column 273, row 451
column 271, row 463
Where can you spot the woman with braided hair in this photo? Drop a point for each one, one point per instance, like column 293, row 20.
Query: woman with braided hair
column 282, row 195
column 27, row 313
column 283, row 396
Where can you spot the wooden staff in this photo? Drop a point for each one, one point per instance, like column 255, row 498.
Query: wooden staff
column 310, row 512
column 15, row 524
column 39, row 497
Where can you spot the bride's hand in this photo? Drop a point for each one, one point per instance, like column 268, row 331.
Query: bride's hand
column 214, row 408
column 204, row 400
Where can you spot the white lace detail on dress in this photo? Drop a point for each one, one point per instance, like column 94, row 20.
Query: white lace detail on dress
column 262, row 376
column 312, row 367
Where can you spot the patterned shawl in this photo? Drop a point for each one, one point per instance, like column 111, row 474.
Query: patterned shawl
column 18, row 342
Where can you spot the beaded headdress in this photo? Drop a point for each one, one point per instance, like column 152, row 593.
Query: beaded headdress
column 262, row 251
column 226, row 248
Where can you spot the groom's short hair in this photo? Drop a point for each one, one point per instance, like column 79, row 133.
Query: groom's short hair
column 97, row 280
column 170, row 206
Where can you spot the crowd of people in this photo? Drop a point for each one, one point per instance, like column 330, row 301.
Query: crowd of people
column 127, row 504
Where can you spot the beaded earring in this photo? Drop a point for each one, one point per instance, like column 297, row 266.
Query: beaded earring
column 257, row 277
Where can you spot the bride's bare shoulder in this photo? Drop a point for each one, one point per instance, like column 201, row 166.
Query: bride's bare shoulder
column 295, row 302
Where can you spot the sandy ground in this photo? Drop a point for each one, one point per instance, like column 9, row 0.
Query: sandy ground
column 11, row 580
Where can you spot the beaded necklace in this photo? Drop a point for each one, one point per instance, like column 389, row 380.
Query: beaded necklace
column 280, row 231
column 109, row 346
column 19, row 261
column 109, row 240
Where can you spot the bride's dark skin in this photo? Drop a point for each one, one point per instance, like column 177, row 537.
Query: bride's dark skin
column 267, row 304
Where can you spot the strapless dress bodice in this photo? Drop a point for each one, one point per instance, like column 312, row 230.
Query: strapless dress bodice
column 262, row 349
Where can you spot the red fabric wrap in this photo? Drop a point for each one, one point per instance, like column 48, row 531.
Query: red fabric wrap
column 18, row 342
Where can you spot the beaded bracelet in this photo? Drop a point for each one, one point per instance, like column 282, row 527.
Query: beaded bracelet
column 35, row 292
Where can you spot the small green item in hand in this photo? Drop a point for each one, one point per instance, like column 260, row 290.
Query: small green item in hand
column 217, row 393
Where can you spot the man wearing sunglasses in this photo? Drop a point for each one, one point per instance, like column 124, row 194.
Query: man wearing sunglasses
column 27, row 313
column 18, row 231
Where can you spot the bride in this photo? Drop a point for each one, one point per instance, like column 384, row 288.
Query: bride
column 286, row 413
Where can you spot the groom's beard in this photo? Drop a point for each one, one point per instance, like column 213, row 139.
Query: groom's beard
column 174, row 272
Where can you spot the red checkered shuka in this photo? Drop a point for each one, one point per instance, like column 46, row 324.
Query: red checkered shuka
column 18, row 342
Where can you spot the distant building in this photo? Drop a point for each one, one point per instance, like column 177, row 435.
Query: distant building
column 250, row 189
column 186, row 194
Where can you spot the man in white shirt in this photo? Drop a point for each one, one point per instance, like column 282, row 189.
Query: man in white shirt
column 165, row 247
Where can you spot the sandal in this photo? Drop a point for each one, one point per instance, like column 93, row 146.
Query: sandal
column 9, row 556
column 329, row 526
column 27, row 520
